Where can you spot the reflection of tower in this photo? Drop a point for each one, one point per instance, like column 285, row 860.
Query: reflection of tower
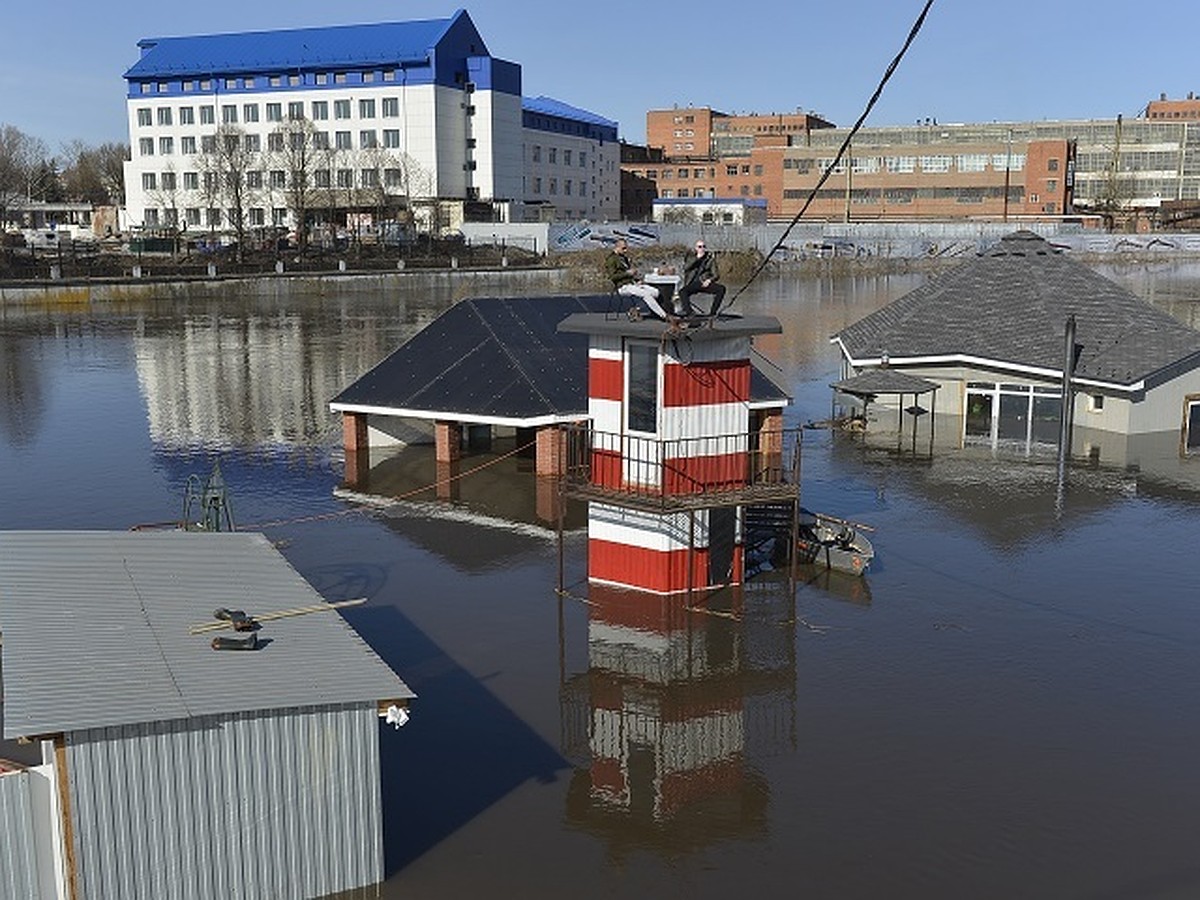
column 672, row 453
column 672, row 704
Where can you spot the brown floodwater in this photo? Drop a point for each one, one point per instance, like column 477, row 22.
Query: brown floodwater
column 1006, row 706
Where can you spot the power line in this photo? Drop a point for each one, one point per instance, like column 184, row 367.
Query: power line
column 912, row 34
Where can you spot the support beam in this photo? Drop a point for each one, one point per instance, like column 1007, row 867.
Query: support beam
column 447, row 438
column 551, row 451
column 355, row 445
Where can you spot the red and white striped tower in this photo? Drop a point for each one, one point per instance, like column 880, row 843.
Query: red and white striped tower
column 671, row 420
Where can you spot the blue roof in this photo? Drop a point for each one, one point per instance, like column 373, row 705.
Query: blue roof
column 548, row 106
column 301, row 48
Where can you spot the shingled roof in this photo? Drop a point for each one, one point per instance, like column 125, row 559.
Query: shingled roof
column 499, row 361
column 1008, row 309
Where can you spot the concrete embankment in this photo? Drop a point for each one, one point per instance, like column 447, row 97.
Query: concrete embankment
column 460, row 281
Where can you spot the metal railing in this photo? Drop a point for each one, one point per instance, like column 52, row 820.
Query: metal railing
column 685, row 472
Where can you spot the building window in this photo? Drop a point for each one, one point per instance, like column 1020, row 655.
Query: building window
column 552, row 156
column 682, row 173
column 274, row 112
column 166, row 146
column 320, row 140
column 391, row 138
column 278, row 216
column 250, row 112
column 537, row 185
column 191, row 216
column 149, row 182
column 1095, row 403
column 208, row 143
column 389, row 75
column 537, row 153
column 1051, row 184
column 229, row 115
column 345, row 178
column 366, row 109
column 214, row 218
column 366, row 139
column 582, row 159
column 295, row 80
column 258, row 217
column 368, row 77
column 254, row 179
column 278, row 178
column 296, row 140
column 191, row 182
column 369, row 178
column 208, row 115
column 252, row 143
column 275, row 142
column 187, row 145
column 1033, row 198
column 643, row 388
column 341, row 109
column 320, row 110
column 391, row 178
column 341, row 140
column 296, row 110
column 275, row 81
column 146, row 146
column 1052, row 164
column 321, row 178
column 164, row 116
column 151, row 217
column 322, row 78
column 230, row 84
column 391, row 107
column 566, row 157
column 187, row 115
column 339, row 78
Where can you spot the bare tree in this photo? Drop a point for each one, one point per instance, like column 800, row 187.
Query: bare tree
column 21, row 159
column 299, row 154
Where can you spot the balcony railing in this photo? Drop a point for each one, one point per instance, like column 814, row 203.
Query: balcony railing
column 757, row 466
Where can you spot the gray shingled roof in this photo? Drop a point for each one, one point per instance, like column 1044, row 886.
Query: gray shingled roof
column 1009, row 306
column 95, row 632
column 884, row 381
column 500, row 361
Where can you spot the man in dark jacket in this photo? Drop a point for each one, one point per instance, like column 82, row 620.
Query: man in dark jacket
column 701, row 276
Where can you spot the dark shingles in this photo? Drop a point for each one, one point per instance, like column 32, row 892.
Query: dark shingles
column 1010, row 305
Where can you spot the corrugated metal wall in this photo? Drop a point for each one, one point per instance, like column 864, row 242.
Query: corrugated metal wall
column 18, row 862
column 262, row 805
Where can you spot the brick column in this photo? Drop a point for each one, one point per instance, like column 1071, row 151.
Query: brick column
column 551, row 451
column 357, row 451
column 447, row 439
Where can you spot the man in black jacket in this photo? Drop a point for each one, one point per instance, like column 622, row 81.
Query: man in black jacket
column 701, row 276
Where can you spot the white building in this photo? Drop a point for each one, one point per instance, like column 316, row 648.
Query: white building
column 250, row 130
column 572, row 163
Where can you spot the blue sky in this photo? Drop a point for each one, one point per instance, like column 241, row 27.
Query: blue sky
column 974, row 61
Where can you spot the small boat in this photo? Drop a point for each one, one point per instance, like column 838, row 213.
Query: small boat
column 833, row 543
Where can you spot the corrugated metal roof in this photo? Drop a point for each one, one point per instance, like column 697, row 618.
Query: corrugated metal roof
column 505, row 359
column 95, row 630
column 548, row 106
column 1011, row 304
column 307, row 48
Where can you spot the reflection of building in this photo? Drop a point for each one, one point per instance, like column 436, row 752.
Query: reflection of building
column 991, row 334
column 673, row 704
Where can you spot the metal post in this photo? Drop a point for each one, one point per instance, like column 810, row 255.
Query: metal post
column 1068, row 407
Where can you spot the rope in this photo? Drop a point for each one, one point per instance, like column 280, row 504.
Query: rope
column 912, row 34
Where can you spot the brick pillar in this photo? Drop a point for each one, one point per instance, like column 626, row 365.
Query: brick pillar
column 551, row 451
column 447, row 480
column 546, row 499
column 447, row 438
column 357, row 451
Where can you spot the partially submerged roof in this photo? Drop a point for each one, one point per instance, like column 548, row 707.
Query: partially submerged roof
column 95, row 630
column 1008, row 308
column 501, row 361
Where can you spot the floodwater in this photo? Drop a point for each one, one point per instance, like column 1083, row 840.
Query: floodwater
column 1005, row 707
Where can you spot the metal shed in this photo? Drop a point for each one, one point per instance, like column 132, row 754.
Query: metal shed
column 182, row 771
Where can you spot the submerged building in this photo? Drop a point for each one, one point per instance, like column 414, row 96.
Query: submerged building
column 264, row 129
column 991, row 336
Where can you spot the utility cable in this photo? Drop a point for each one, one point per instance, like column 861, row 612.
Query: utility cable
column 912, row 34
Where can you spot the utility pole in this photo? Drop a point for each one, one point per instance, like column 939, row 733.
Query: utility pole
column 1007, row 173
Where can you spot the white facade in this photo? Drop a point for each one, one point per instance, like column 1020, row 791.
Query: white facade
column 418, row 141
column 575, row 177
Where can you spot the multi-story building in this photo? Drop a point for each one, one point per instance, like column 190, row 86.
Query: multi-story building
column 935, row 171
column 240, row 131
column 572, row 162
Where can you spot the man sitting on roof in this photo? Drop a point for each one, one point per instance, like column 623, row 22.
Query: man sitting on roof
column 626, row 280
column 701, row 276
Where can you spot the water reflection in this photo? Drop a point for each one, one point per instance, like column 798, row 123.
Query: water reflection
column 674, row 705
